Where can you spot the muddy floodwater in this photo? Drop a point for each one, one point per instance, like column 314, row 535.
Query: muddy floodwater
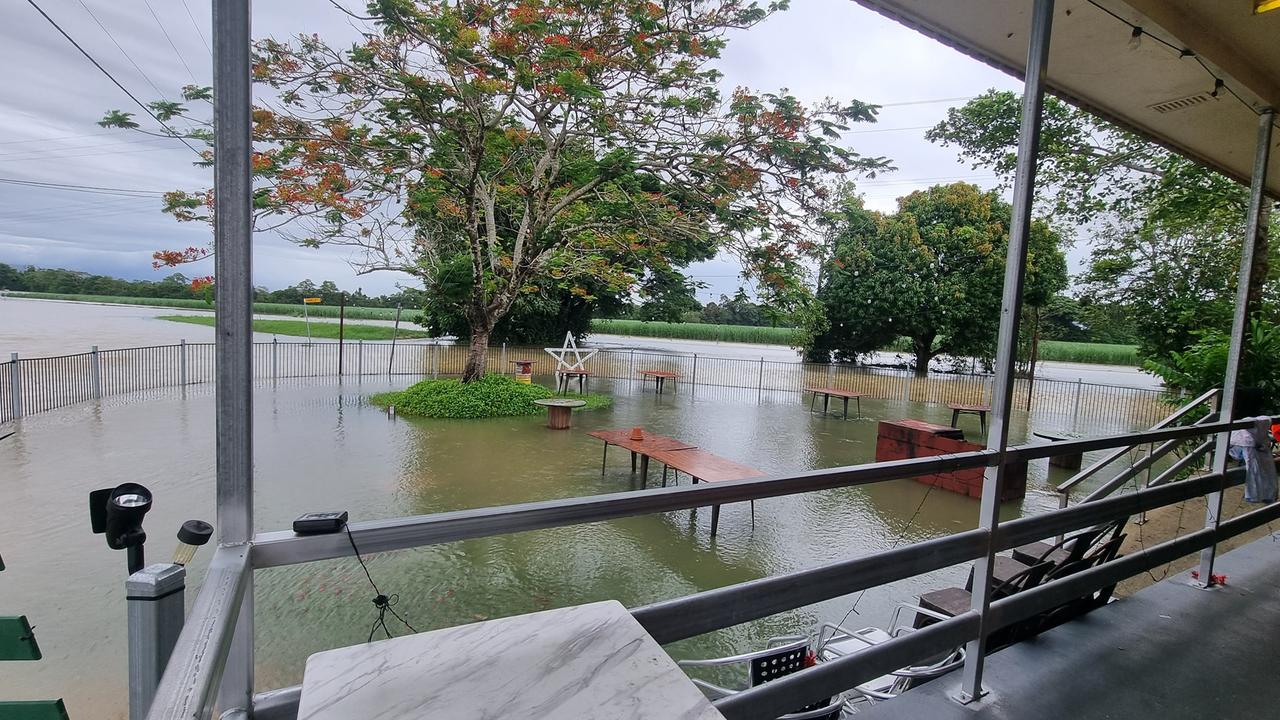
column 321, row 446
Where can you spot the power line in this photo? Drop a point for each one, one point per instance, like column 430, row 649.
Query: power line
column 155, row 87
column 40, row 155
column 196, row 25
column 171, row 43
column 78, row 188
column 57, row 138
column 111, row 77
column 926, row 102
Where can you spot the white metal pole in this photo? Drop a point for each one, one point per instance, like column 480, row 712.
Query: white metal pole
column 359, row 358
column 233, row 236
column 182, row 362
column 95, row 372
column 1248, row 258
column 15, row 386
column 306, row 318
column 1007, row 341
column 395, row 330
column 156, row 615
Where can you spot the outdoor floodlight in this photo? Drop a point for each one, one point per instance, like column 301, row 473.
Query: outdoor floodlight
column 191, row 536
column 117, row 513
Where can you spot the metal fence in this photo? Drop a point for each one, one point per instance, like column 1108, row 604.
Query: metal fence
column 33, row 385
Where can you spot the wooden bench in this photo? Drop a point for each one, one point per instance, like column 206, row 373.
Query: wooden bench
column 642, row 448
column 979, row 410
column 660, row 378
column 704, row 466
column 828, row 393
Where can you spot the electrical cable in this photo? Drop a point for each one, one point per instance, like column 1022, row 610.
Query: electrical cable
column 80, row 188
column 196, row 25
column 171, row 43
column 121, row 49
column 111, row 77
column 384, row 603
column 901, row 535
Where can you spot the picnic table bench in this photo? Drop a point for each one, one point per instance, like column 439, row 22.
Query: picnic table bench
column 979, row 410
column 660, row 378
column 828, row 393
column 643, row 448
column 704, row 466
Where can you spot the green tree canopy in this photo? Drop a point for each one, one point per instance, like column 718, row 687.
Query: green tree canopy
column 1164, row 231
column 932, row 272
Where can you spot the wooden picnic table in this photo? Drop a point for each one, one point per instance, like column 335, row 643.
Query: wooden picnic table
column 979, row 410
column 643, row 448
column 705, row 466
column 828, row 393
column 563, row 377
column 1069, row 461
column 660, row 378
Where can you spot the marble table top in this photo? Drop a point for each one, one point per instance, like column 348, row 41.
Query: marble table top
column 589, row 662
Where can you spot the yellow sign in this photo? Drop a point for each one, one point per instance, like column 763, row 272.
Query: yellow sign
column 312, row 301
column 1261, row 6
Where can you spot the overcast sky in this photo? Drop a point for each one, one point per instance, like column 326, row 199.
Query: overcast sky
column 52, row 97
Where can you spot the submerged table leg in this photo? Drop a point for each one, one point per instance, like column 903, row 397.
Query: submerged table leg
column 633, row 461
column 846, row 408
column 826, row 402
column 605, row 458
column 644, row 471
column 715, row 519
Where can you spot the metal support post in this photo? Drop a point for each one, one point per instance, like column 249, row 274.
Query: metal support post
column 760, row 383
column 1007, row 342
column 693, row 384
column 95, row 372
column 359, row 358
column 1075, row 413
column 435, row 360
column 182, row 362
column 233, row 236
column 15, row 386
column 275, row 347
column 906, row 386
column 1254, row 225
column 395, row 331
column 502, row 364
column 156, row 596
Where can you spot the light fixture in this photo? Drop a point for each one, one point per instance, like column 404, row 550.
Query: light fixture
column 1135, row 38
column 191, row 536
column 117, row 513
column 1261, row 6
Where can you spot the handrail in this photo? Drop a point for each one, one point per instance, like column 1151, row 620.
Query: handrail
column 272, row 549
column 190, row 681
column 1182, row 412
column 1132, row 471
column 186, row 691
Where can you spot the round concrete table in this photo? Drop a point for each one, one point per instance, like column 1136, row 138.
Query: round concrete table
column 559, row 411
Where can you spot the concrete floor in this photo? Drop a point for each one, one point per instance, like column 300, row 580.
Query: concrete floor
column 1170, row 651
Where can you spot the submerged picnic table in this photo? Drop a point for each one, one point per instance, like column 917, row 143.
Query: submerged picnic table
column 643, row 448
column 660, row 378
column 680, row 456
column 828, row 393
column 706, row 467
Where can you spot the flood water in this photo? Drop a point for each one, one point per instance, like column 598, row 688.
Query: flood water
column 321, row 446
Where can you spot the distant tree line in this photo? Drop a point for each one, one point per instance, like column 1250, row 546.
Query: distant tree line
column 179, row 286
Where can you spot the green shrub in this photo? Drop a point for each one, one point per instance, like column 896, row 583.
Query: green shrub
column 490, row 396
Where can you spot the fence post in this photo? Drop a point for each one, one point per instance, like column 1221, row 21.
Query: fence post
column 435, row 360
column 631, row 368
column 95, row 372
column 182, row 362
column 906, row 385
column 156, row 615
column 275, row 346
column 15, row 386
column 1075, row 414
column 693, row 384
column 359, row 358
column 760, row 383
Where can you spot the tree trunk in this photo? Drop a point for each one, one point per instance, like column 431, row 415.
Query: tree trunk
column 923, row 349
column 477, row 354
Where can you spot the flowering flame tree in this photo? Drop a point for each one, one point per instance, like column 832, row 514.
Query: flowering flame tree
column 534, row 140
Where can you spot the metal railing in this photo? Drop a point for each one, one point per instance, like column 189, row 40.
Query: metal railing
column 1147, row 462
column 33, row 385
column 190, row 683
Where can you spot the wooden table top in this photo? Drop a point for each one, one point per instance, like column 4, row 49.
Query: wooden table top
column 944, row 430
column 836, row 392
column 574, row 372
column 648, row 446
column 971, row 408
column 704, row 465
column 659, row 373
